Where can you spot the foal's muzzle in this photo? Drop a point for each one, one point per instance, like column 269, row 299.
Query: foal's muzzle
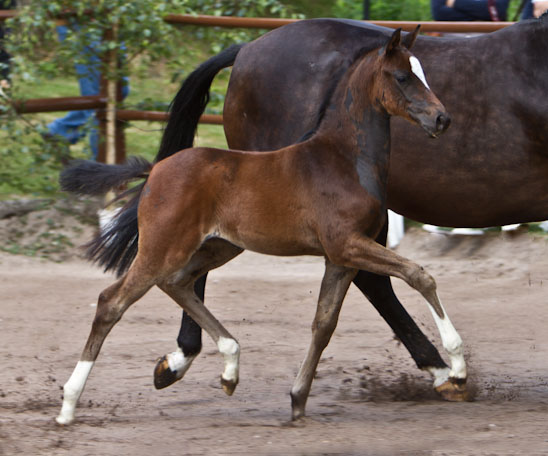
column 442, row 123
column 434, row 123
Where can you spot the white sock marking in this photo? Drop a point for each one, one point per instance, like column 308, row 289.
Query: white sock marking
column 72, row 391
column 179, row 363
column 416, row 68
column 441, row 375
column 452, row 343
column 231, row 352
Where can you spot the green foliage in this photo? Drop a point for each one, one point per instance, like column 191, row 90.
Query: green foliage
column 317, row 8
column 139, row 27
column 382, row 10
column 30, row 164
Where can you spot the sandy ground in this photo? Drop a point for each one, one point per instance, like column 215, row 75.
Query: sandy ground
column 368, row 397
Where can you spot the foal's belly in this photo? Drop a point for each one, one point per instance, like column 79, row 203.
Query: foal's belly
column 269, row 242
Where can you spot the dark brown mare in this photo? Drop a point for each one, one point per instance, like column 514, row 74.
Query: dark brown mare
column 323, row 196
column 490, row 169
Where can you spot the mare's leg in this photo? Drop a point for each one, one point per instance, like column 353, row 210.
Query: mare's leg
column 364, row 253
column 173, row 366
column 112, row 303
column 378, row 289
column 335, row 283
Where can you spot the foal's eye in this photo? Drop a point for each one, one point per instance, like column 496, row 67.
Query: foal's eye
column 401, row 77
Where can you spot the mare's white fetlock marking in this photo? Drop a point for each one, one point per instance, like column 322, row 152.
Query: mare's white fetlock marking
column 231, row 352
column 72, row 391
column 416, row 68
column 440, row 375
column 452, row 343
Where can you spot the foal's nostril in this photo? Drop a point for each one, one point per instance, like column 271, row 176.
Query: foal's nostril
column 442, row 122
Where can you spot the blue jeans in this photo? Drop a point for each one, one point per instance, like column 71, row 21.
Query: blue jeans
column 69, row 127
column 527, row 12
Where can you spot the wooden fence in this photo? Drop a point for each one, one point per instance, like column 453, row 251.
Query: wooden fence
column 99, row 102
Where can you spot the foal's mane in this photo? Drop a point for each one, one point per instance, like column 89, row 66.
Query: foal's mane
column 334, row 83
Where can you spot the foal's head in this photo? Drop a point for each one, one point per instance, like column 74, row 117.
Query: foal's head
column 399, row 86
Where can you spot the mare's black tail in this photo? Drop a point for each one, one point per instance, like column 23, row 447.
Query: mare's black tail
column 190, row 102
column 116, row 246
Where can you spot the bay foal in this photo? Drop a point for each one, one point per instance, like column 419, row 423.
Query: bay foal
column 322, row 196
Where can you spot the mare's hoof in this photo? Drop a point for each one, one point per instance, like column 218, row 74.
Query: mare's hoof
column 453, row 391
column 163, row 375
column 228, row 386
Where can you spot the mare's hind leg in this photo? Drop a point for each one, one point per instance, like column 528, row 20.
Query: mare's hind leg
column 378, row 289
column 112, row 303
column 212, row 254
column 364, row 253
column 335, row 283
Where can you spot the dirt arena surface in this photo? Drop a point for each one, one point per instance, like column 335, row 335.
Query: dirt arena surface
column 368, row 397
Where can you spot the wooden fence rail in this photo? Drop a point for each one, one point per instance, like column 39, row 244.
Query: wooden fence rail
column 99, row 101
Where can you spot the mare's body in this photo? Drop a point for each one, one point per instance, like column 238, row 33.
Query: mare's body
column 491, row 168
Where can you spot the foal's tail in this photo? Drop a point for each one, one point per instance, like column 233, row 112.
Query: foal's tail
column 190, row 102
column 116, row 246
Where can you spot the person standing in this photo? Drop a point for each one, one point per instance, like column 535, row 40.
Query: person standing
column 469, row 10
column 70, row 127
column 534, row 8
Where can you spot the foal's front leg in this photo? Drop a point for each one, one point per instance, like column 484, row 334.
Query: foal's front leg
column 364, row 253
column 335, row 283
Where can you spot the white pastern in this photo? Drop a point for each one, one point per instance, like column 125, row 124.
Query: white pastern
column 179, row 363
column 416, row 68
column 72, row 391
column 440, row 375
column 452, row 343
column 231, row 352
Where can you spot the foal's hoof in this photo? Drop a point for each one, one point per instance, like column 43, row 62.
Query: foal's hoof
column 453, row 390
column 163, row 375
column 228, row 386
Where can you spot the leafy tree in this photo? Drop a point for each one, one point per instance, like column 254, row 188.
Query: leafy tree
column 30, row 164
column 393, row 10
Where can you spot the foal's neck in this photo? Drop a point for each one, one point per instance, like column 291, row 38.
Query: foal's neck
column 359, row 127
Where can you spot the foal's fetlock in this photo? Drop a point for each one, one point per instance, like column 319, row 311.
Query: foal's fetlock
column 230, row 350
column 298, row 404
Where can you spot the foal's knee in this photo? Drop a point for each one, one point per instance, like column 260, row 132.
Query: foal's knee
column 421, row 280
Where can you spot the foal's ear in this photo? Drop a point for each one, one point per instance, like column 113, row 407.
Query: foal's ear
column 393, row 42
column 409, row 39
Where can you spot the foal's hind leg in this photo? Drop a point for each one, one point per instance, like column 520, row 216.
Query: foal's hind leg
column 183, row 294
column 182, row 289
column 335, row 283
column 364, row 253
column 112, row 303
